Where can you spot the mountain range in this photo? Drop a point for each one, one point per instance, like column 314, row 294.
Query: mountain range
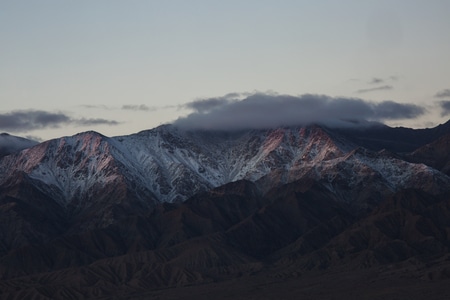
column 248, row 213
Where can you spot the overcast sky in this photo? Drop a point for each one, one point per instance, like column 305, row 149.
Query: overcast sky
column 119, row 67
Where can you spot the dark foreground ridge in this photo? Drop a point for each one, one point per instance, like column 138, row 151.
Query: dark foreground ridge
column 342, row 220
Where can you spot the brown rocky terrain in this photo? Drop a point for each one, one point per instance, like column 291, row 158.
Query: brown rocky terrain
column 234, row 241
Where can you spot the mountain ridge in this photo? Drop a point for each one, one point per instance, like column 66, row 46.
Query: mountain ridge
column 182, row 163
column 166, row 207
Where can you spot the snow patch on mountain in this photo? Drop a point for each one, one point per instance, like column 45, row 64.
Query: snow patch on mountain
column 169, row 164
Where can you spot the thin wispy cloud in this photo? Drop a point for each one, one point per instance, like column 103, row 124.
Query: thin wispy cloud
column 375, row 89
column 29, row 120
column 145, row 108
column 443, row 94
column 93, row 122
column 130, row 107
column 393, row 77
column 98, row 106
column 141, row 107
column 376, row 80
column 260, row 111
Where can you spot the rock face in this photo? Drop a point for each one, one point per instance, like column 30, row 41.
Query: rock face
column 89, row 216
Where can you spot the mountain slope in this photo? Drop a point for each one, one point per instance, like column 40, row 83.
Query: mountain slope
column 233, row 234
column 395, row 139
column 409, row 229
column 435, row 154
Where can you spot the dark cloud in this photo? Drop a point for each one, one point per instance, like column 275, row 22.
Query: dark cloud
column 206, row 105
column 445, row 106
column 379, row 88
column 376, row 80
column 390, row 110
column 443, row 94
column 260, row 111
column 28, row 120
column 25, row 120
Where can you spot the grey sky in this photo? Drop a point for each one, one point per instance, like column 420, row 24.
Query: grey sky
column 111, row 60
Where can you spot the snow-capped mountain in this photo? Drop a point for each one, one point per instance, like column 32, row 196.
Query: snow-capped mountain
column 168, row 207
column 168, row 164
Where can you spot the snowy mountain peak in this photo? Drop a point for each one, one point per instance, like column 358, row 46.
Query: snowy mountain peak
column 170, row 164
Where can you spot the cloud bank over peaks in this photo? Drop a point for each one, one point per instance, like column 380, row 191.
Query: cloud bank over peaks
column 206, row 105
column 261, row 111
